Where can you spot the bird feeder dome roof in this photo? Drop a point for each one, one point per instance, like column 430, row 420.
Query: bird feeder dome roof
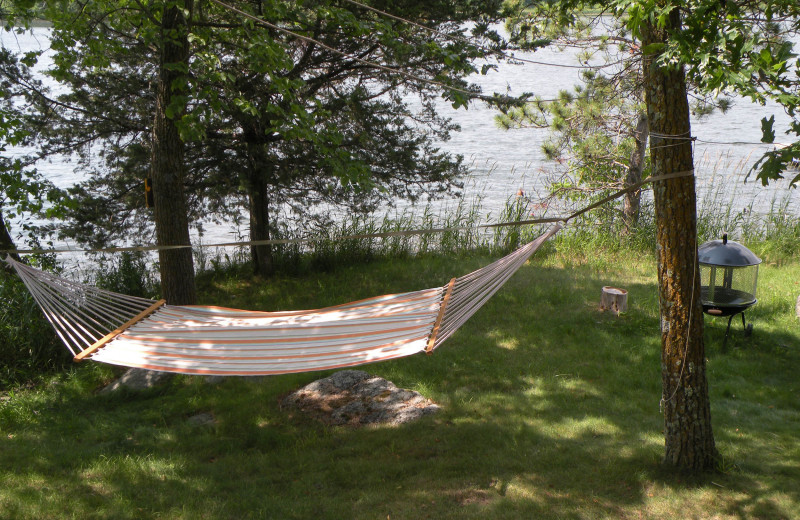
column 726, row 253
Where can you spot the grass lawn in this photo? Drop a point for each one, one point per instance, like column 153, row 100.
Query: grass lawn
column 550, row 409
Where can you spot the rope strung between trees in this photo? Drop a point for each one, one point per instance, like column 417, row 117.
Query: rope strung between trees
column 472, row 41
column 386, row 234
column 394, row 70
column 141, row 333
column 135, row 332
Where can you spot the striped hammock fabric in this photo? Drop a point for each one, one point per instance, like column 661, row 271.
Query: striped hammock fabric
column 141, row 333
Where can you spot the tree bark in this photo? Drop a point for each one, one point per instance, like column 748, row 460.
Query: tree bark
column 6, row 242
column 689, row 440
column 258, row 202
column 632, row 200
column 167, row 167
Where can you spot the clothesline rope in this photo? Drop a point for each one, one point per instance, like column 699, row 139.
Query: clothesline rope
column 361, row 236
column 138, row 332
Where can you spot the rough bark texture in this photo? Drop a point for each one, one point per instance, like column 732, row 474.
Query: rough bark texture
column 258, row 202
column 689, row 440
column 167, row 169
column 6, row 242
column 259, row 227
column 631, row 201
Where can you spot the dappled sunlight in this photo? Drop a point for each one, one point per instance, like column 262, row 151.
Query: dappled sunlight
column 504, row 343
column 589, row 427
column 536, row 422
column 651, row 439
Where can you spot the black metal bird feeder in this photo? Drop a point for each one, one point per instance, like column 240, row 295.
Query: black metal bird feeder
column 728, row 278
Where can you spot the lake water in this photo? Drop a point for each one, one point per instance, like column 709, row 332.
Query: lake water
column 502, row 162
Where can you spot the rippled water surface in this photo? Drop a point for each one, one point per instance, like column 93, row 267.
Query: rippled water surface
column 502, row 162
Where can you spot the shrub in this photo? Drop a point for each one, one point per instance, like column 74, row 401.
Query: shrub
column 29, row 346
column 130, row 273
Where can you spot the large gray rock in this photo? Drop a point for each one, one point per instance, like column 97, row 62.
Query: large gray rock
column 356, row 398
column 138, row 379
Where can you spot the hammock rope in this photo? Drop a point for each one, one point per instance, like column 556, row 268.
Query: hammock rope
column 142, row 333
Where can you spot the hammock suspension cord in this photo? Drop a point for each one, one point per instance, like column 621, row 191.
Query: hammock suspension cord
column 139, row 332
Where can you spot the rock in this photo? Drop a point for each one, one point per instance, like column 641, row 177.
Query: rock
column 202, row 419
column 138, row 379
column 797, row 307
column 356, row 398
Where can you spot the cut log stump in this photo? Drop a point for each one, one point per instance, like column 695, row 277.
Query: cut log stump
column 614, row 299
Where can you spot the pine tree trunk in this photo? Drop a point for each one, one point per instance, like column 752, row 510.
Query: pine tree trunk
column 258, row 205
column 167, row 168
column 258, row 199
column 689, row 440
column 632, row 200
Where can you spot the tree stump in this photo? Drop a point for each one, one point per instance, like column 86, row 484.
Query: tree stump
column 614, row 299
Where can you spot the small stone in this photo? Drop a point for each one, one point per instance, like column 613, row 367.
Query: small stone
column 202, row 419
column 356, row 398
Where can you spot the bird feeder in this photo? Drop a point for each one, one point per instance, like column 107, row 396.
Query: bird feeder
column 728, row 278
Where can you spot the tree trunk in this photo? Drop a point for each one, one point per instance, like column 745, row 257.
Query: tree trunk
column 631, row 201
column 6, row 242
column 614, row 299
column 258, row 199
column 167, row 168
column 689, row 440
column 258, row 202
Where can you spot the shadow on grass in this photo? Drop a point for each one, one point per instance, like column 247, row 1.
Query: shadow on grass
column 550, row 410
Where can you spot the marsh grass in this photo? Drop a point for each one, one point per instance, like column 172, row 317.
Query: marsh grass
column 549, row 410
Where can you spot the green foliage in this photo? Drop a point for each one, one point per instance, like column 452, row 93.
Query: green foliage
column 29, row 348
column 24, row 193
column 592, row 134
column 775, row 163
column 738, row 47
column 262, row 107
column 742, row 47
column 131, row 273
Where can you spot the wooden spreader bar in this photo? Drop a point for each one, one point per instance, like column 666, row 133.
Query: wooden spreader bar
column 119, row 330
column 438, row 323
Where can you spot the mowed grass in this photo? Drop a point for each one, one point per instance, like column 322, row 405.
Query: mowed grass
column 550, row 409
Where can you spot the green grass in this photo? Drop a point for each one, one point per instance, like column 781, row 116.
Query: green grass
column 550, row 409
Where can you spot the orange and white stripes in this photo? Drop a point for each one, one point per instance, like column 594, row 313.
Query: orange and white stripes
column 136, row 332
column 219, row 341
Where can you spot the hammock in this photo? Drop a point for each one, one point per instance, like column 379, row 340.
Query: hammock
column 141, row 333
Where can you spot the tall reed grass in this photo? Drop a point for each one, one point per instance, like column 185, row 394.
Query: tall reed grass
column 766, row 219
column 768, row 225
